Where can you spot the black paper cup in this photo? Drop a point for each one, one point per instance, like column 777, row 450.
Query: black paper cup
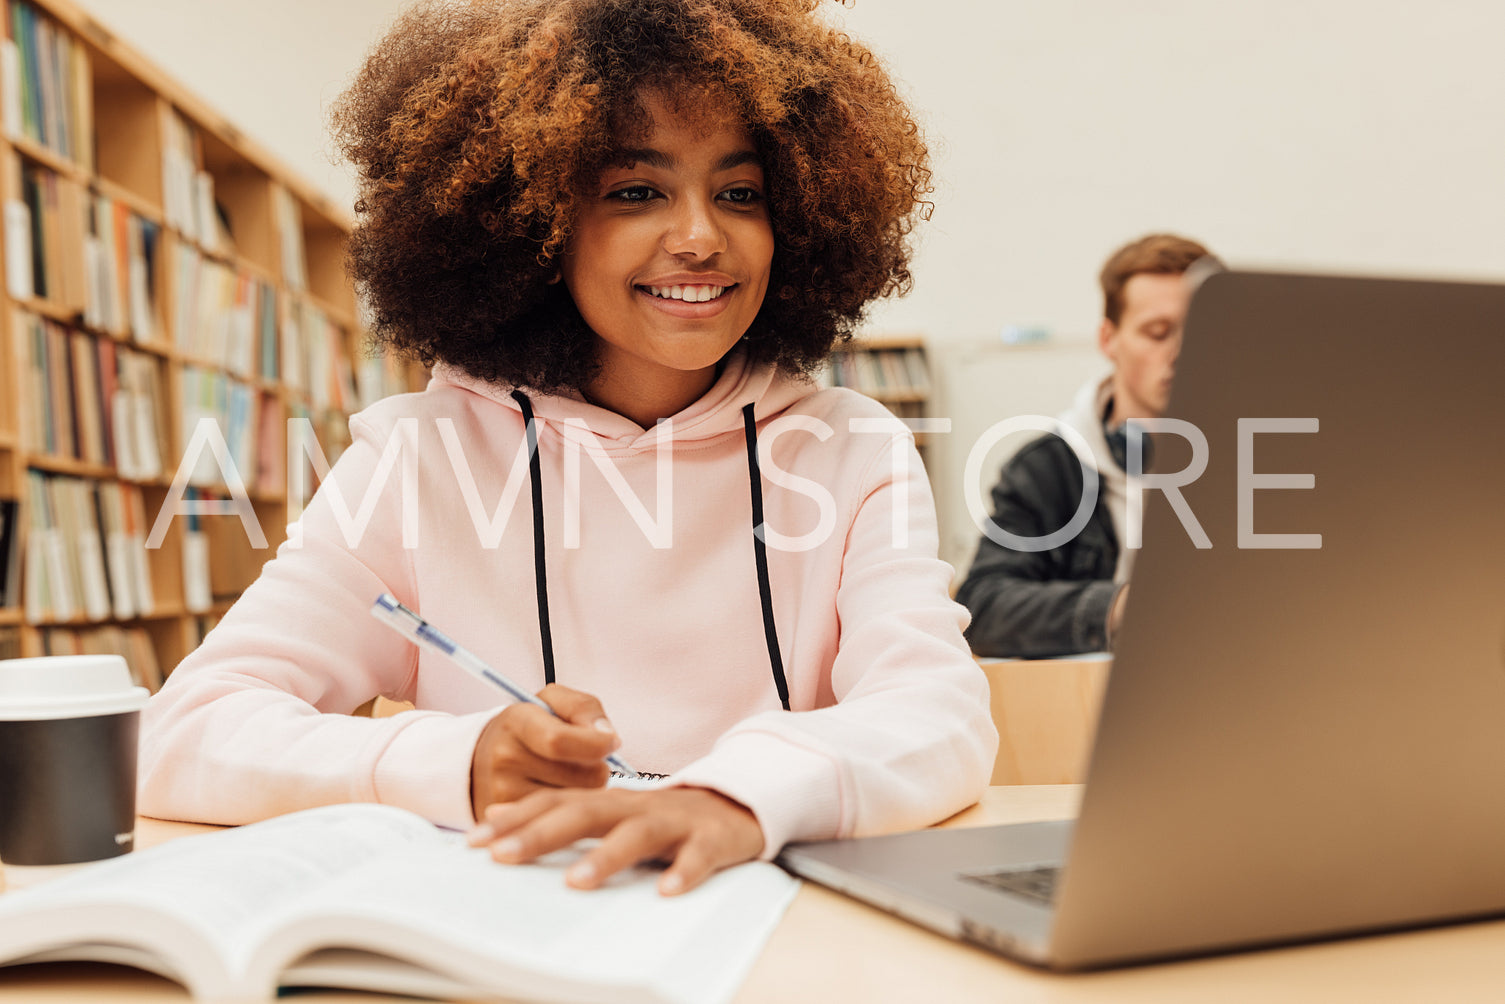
column 68, row 727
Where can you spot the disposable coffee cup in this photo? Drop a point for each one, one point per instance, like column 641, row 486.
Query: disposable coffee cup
column 68, row 729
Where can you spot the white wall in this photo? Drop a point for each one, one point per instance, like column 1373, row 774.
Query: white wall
column 1346, row 135
column 1338, row 134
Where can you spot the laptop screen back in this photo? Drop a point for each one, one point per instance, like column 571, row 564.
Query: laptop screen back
column 1304, row 729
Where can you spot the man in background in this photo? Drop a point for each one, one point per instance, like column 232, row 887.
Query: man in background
column 1071, row 598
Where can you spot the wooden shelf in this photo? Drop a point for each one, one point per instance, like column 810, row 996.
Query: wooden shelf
column 246, row 265
column 49, row 159
column 175, row 172
column 893, row 370
column 340, row 316
column 872, row 343
column 68, row 465
column 141, row 207
column 173, row 612
column 52, row 311
column 229, row 258
column 169, row 612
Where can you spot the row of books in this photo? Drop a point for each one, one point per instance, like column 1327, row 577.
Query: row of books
column 134, row 644
column 201, row 626
column 379, row 376
column 316, row 358
column 197, row 595
column 255, row 427
column 235, row 409
column 10, row 553
column 223, row 316
column 231, row 319
column 46, row 87
column 46, row 84
column 881, row 372
column 88, row 398
column 85, row 550
column 81, row 250
column 120, row 254
column 331, row 433
column 290, row 227
column 247, row 434
column 88, row 253
column 187, row 189
column 44, row 235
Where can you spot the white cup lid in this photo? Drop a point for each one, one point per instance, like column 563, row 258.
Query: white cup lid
column 67, row 686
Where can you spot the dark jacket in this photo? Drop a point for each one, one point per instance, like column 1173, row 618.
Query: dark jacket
column 1042, row 603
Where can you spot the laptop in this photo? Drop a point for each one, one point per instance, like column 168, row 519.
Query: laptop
column 1296, row 742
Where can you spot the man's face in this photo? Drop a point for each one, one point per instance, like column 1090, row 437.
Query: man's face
column 1144, row 344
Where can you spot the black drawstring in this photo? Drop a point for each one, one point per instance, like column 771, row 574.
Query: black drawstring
column 540, row 573
column 760, row 551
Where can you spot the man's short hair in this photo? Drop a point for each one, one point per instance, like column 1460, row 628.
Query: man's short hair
column 1155, row 254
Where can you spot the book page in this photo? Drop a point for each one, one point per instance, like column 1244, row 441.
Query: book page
column 519, row 931
column 119, row 955
column 221, row 884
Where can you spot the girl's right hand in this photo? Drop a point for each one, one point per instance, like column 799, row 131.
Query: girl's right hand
column 524, row 748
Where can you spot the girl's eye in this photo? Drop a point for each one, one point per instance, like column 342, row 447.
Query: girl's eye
column 633, row 193
column 742, row 196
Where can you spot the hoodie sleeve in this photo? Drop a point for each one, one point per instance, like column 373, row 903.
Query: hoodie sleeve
column 256, row 721
column 910, row 739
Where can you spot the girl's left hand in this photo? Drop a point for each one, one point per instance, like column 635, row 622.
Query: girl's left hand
column 695, row 829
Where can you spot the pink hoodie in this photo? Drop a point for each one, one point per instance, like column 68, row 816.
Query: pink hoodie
column 654, row 606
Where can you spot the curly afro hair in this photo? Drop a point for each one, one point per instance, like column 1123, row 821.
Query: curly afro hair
column 477, row 126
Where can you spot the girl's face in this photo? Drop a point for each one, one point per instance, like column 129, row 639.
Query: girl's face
column 669, row 261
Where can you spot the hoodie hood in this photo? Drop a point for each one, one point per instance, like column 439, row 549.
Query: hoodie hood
column 717, row 413
column 1086, row 416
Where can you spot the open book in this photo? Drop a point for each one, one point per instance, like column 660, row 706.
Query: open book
column 376, row 898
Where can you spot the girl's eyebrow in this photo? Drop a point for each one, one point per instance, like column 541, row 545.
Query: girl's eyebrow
column 737, row 158
column 661, row 161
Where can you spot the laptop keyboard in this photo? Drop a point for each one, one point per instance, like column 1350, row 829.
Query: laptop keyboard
column 1038, row 884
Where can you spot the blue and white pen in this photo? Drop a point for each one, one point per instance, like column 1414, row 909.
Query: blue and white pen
column 387, row 610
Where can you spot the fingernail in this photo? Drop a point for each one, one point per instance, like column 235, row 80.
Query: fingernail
column 581, row 873
column 671, row 884
column 507, row 847
column 602, row 725
column 481, row 833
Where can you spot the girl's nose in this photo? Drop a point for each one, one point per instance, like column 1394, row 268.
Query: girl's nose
column 694, row 231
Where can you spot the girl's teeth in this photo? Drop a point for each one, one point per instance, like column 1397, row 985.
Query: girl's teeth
column 690, row 294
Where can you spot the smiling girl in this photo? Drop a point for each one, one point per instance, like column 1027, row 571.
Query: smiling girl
column 623, row 232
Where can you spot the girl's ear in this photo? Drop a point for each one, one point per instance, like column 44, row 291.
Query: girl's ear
column 554, row 279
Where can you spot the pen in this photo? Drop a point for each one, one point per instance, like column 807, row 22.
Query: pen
column 398, row 617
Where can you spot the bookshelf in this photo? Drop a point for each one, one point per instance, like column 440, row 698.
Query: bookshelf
column 159, row 270
column 892, row 369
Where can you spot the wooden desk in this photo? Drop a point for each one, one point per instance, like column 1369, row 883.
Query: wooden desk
column 832, row 950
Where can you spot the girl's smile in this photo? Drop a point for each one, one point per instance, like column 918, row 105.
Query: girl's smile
column 690, row 297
